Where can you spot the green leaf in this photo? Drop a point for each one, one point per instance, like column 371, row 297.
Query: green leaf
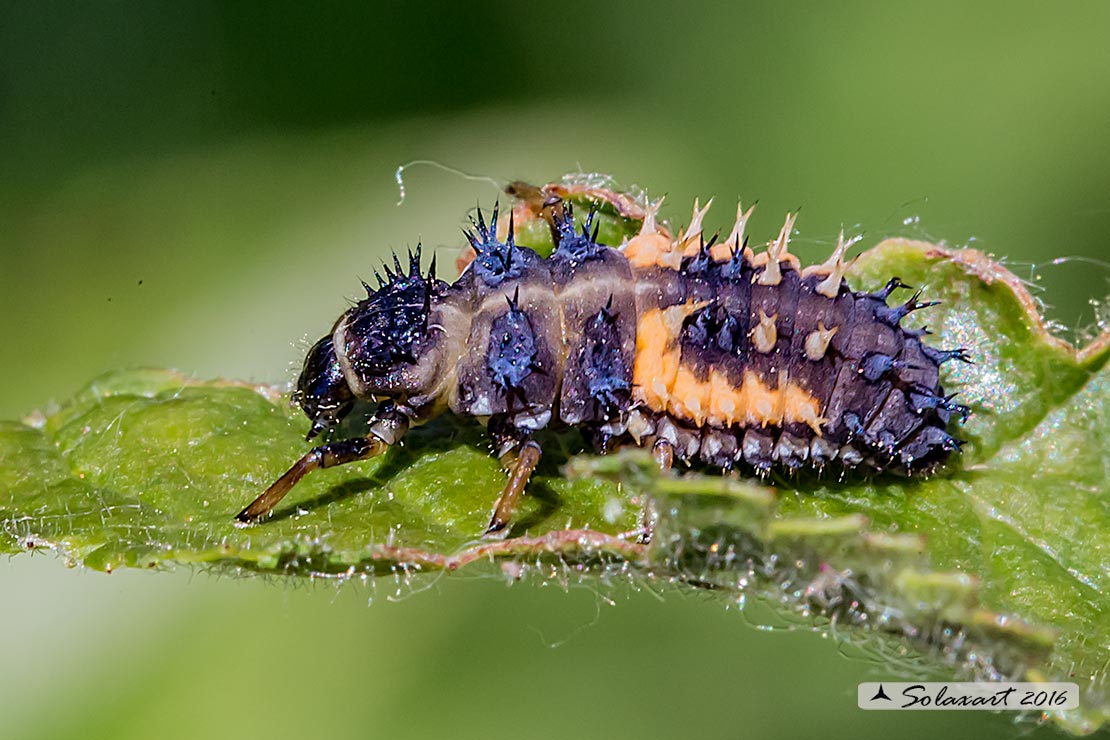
column 995, row 567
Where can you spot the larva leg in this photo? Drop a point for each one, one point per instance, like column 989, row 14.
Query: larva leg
column 527, row 459
column 386, row 428
column 663, row 452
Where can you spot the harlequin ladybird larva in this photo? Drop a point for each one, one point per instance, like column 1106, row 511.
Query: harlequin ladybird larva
column 697, row 347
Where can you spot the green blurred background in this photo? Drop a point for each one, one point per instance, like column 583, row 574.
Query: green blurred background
column 200, row 186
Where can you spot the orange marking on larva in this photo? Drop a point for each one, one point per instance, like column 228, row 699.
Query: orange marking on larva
column 652, row 250
column 656, row 360
column 800, row 406
column 760, row 259
column 653, row 246
column 690, row 397
column 657, row 353
column 725, row 401
column 719, row 252
column 761, row 402
column 790, row 403
column 664, row 385
column 780, row 395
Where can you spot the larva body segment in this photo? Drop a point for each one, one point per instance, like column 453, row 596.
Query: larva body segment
column 741, row 360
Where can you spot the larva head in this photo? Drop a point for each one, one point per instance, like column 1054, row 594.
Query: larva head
column 322, row 391
column 382, row 343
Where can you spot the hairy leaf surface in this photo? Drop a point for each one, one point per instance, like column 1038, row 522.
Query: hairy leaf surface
column 997, row 566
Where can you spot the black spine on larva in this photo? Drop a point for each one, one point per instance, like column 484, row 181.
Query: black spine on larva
column 385, row 325
column 606, row 371
column 573, row 246
column 496, row 261
column 715, row 336
column 381, row 339
column 511, row 356
column 888, row 409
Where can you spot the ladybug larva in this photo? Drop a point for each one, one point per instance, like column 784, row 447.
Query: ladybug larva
column 696, row 347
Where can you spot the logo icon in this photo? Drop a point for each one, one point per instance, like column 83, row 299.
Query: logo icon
column 880, row 694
